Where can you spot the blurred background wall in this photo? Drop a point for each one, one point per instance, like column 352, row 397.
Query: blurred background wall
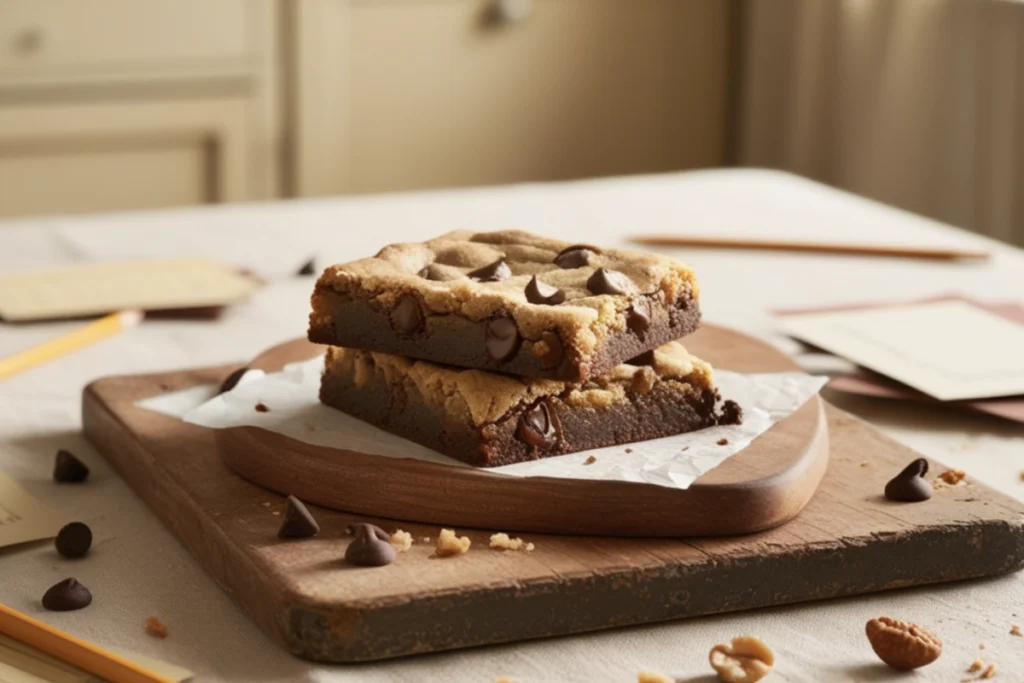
column 122, row 104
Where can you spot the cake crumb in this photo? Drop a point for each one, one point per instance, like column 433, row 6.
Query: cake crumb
column 865, row 464
column 976, row 665
column 448, row 544
column 262, row 408
column 502, row 541
column 426, row 539
column 684, row 448
column 981, row 646
column 653, row 677
column 1015, row 630
column 722, row 442
column 402, row 540
column 629, row 450
column 156, row 628
column 953, row 477
column 504, row 679
column 989, row 672
column 590, row 460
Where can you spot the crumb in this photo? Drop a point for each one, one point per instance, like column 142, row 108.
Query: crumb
column 1015, row 630
column 504, row 679
column 629, row 450
column 1022, row 475
column 722, row 442
column 262, row 408
column 976, row 665
column 276, row 512
column 989, row 672
column 865, row 464
column 653, row 677
column 684, row 448
column 449, row 544
column 426, row 539
column 503, row 542
column 266, row 504
column 402, row 540
column 156, row 628
column 953, row 477
column 590, row 460
column 981, row 646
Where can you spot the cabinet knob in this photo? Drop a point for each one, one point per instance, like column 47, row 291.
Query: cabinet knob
column 511, row 11
column 29, row 40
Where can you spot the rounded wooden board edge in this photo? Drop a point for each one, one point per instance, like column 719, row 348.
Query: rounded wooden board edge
column 740, row 498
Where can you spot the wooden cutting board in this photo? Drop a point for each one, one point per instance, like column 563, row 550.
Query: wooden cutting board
column 848, row 540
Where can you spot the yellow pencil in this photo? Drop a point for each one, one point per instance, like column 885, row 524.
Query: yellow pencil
column 74, row 651
column 93, row 332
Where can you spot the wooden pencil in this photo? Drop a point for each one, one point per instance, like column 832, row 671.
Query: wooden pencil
column 938, row 253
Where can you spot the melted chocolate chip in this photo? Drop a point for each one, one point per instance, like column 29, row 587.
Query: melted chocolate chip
column 298, row 521
column 549, row 350
column 732, row 414
column 66, row 596
column 605, row 281
column 495, row 272
column 407, row 318
column 576, row 256
column 368, row 549
column 539, row 293
column 536, row 427
column 231, row 381
column 638, row 319
column 67, row 469
column 645, row 358
column 910, row 486
column 73, row 540
column 502, row 339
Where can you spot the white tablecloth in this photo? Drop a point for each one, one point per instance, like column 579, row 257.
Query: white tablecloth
column 138, row 569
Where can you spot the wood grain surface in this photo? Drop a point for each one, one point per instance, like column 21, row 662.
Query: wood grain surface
column 848, row 540
column 760, row 487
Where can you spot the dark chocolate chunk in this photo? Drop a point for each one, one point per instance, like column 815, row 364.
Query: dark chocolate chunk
column 732, row 414
column 407, row 318
column 66, row 596
column 368, row 549
column 576, row 256
column 298, row 521
column 262, row 408
column 502, row 339
column 67, row 469
column 645, row 358
column 606, row 281
column 638, row 319
column 539, row 293
column 494, row 272
column 73, row 540
column 536, row 427
column 308, row 268
column 552, row 350
column 232, row 380
column 910, row 486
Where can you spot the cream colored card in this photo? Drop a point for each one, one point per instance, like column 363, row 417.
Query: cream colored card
column 99, row 288
column 950, row 350
column 22, row 517
column 20, row 663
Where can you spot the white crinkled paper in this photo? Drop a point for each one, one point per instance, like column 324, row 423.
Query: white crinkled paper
column 674, row 461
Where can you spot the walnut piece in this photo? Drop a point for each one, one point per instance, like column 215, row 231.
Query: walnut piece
column 449, row 544
column 653, row 677
column 953, row 477
column 156, row 628
column 402, row 540
column 901, row 645
column 989, row 672
column 744, row 660
column 504, row 542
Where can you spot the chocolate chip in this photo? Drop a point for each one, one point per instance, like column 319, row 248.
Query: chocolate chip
column 67, row 469
column 638, row 319
column 66, row 596
column 368, row 549
column 576, row 256
column 549, row 350
column 262, row 408
column 298, row 521
column 73, row 540
column 502, row 339
column 407, row 318
column 536, row 427
column 910, row 486
column 539, row 293
column 494, row 272
column 232, row 380
column 732, row 414
column 606, row 281
column 308, row 268
column 645, row 358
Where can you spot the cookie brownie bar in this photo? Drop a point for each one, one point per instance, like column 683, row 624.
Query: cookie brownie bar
column 489, row 419
column 507, row 301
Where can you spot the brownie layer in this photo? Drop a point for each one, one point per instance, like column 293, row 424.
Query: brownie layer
column 507, row 301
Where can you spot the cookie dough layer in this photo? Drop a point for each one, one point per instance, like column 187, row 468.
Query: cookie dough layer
column 488, row 419
column 469, row 300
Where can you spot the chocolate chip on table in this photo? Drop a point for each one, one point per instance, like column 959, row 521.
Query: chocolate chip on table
column 262, row 408
column 232, row 380
column 407, row 318
column 576, row 256
column 536, row 427
column 606, row 281
column 298, row 521
column 638, row 319
column 494, row 272
column 308, row 268
column 66, row 596
column 539, row 293
column 368, row 549
column 67, row 469
column 73, row 540
column 502, row 339
column 910, row 486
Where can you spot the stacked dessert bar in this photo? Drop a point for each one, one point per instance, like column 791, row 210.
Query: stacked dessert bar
column 499, row 347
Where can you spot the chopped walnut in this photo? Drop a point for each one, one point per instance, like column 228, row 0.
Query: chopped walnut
column 448, row 544
column 989, row 672
column 402, row 540
column 156, row 628
column 902, row 645
column 744, row 660
column 953, row 477
column 590, row 460
column 643, row 381
column 976, row 665
column 503, row 542
column 653, row 677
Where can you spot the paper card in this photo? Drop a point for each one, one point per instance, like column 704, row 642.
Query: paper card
column 24, row 518
column 99, row 288
column 950, row 350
